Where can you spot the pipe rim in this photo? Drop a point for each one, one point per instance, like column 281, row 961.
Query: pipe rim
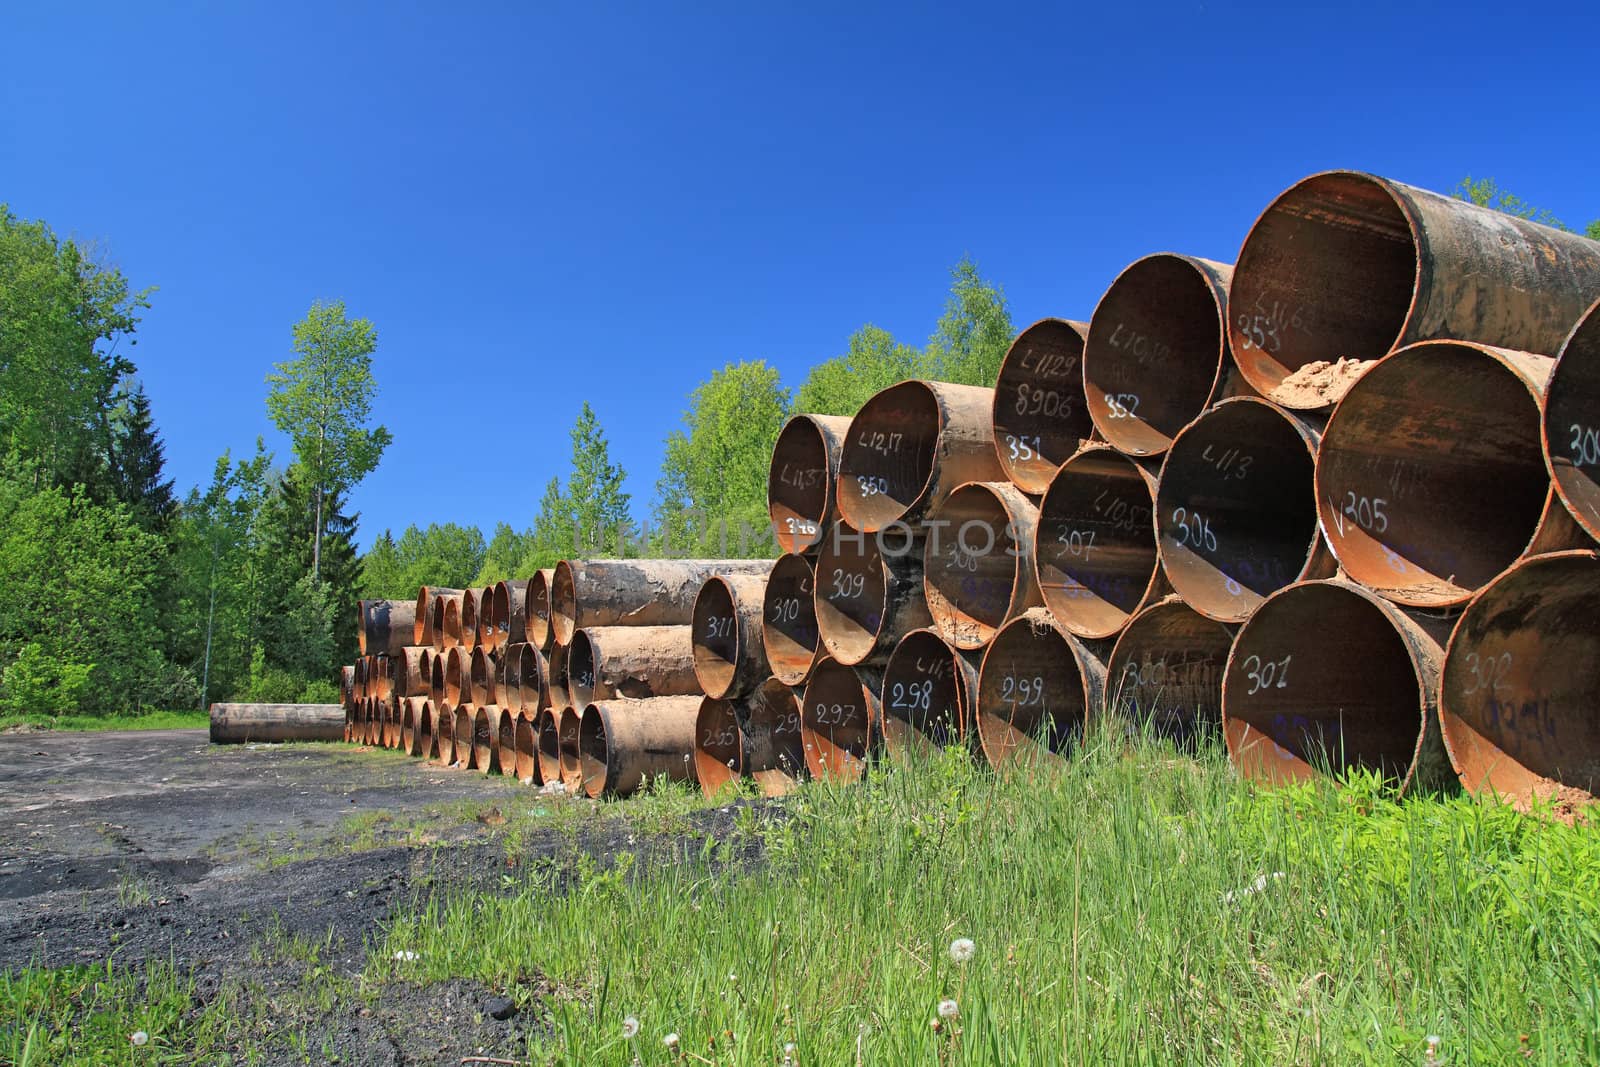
column 798, row 518
column 925, row 701
column 954, row 600
column 1000, row 736
column 1569, row 402
column 1168, row 721
column 1028, row 457
column 836, row 722
column 717, row 639
column 788, row 617
column 539, row 629
column 863, row 486
column 563, row 603
column 849, row 639
column 584, row 656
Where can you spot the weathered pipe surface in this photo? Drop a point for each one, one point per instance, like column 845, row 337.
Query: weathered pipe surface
column 633, row 592
column 1157, row 352
column 800, row 481
column 436, row 682
column 730, row 655
column 485, row 629
column 484, row 738
column 1329, row 676
column 410, row 672
column 1095, row 547
column 869, row 594
column 1350, row 266
column 504, row 723
column 1165, row 673
column 547, row 742
column 1040, row 418
column 1522, row 684
column 386, row 626
column 929, row 696
column 630, row 662
column 467, row 629
column 978, row 562
column 1236, row 508
column 361, row 684
column 1037, row 686
column 389, row 737
column 909, row 446
column 624, row 743
column 526, row 744
column 840, row 720
column 510, row 617
column 239, row 723
column 347, row 686
column 465, row 751
column 755, row 735
column 423, row 627
column 1572, row 423
column 382, row 678
column 447, row 622
column 568, row 729
column 540, row 632
column 789, row 620
column 1431, row 478
column 444, row 735
column 408, row 725
column 481, row 677
column 457, row 677
column 559, row 677
column 523, row 687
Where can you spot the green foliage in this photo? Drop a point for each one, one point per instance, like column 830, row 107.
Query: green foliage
column 36, row 682
column 289, row 603
column 873, row 361
column 1486, row 192
column 137, row 461
column 974, row 332
column 506, row 551
column 594, row 495
column 445, row 555
column 551, row 540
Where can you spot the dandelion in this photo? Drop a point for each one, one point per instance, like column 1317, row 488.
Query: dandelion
column 962, row 949
column 630, row 1027
column 948, row 1009
column 671, row 1041
column 732, row 978
column 1433, row 1049
column 138, row 1038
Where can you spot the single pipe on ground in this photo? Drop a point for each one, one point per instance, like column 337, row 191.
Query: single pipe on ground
column 1431, row 478
column 800, row 481
column 1157, row 352
column 510, row 614
column 730, row 656
column 840, row 719
column 789, row 620
column 1036, row 686
column 540, row 632
column 909, row 446
column 1572, row 423
column 427, row 597
column 633, row 592
column 1236, row 509
column 526, row 743
column 481, row 677
column 568, row 729
column 978, row 562
column 1522, row 682
column 756, row 735
column 1329, row 676
column 1348, row 266
column 1165, row 672
column 630, row 662
column 1095, row 548
column 624, row 743
column 1040, row 418
column 384, row 627
column 240, row 723
column 547, row 738
column 869, row 593
column 929, row 695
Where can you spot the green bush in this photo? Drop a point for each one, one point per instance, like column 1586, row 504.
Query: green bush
column 39, row 683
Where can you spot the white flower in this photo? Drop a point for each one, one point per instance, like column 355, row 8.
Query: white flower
column 962, row 949
column 671, row 1041
column 630, row 1027
column 405, row 955
column 732, row 978
column 139, row 1037
column 948, row 1009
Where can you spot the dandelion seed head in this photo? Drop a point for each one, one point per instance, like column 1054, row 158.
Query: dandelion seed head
column 671, row 1041
column 732, row 978
column 138, row 1037
column 630, row 1027
column 962, row 949
column 948, row 1008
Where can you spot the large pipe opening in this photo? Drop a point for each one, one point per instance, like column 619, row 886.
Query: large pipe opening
column 837, row 719
column 572, row 773
column 484, row 738
column 482, row 676
column 1572, row 423
column 928, row 697
column 469, row 627
column 505, row 746
column 886, row 466
column 1095, row 546
column 563, row 604
column 800, row 481
column 594, row 751
column 1521, row 684
column 539, row 632
column 720, row 755
column 581, row 669
column 1157, row 350
column 1431, row 478
column 560, row 677
column 716, row 637
column 1236, row 508
column 1035, row 688
column 978, row 562
column 526, row 744
column 463, row 734
column 868, row 597
column 1040, row 418
column 547, row 739
column 457, row 677
column 1165, row 673
column 789, row 620
column 427, row 740
column 444, row 736
column 1327, row 677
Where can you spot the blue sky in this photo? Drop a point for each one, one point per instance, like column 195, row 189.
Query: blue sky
column 542, row 204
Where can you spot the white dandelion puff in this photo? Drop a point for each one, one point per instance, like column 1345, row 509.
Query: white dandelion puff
column 948, row 1008
column 671, row 1041
column 630, row 1027
column 138, row 1037
column 962, row 949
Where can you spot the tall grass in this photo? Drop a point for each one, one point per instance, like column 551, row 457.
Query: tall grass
column 154, row 720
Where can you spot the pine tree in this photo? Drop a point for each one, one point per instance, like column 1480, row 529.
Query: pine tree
column 137, row 462
column 594, row 493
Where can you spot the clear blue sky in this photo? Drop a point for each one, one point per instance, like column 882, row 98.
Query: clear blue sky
column 539, row 204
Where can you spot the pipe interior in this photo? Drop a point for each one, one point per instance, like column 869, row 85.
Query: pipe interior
column 836, row 721
column 482, row 677
column 483, row 739
column 563, row 604
column 457, row 676
column 718, row 745
column 1095, row 548
column 1030, row 692
column 1236, row 508
column 593, row 751
column 773, row 731
column 560, row 691
column 507, row 731
column 789, row 620
column 1166, row 672
column 1040, row 418
column 972, row 566
column 1572, row 423
column 567, row 731
column 1431, row 479
column 419, row 625
column 887, row 461
column 716, row 636
column 527, row 749
column 852, row 595
column 582, row 667
column 548, row 740
column 1328, row 272
column 797, row 486
column 539, row 609
column 924, row 698
column 1153, row 355
column 463, row 737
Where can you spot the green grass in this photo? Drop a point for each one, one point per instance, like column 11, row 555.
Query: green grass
column 155, row 720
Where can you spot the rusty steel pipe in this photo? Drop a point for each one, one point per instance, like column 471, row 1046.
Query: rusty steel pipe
column 465, row 734
column 410, row 672
column 444, row 735
column 622, row 744
column 789, row 620
column 481, row 677
column 978, row 562
column 436, row 682
column 510, row 615
column 1095, row 548
column 523, row 687
column 423, row 627
column 1037, row 686
column 840, row 720
column 630, row 663
column 526, row 743
column 381, row 678
column 1039, row 414
column 347, row 686
column 427, row 739
column 1431, row 478
column 466, row 630
column 390, row 737
column 1157, row 351
column 569, row 728
column 1345, row 267
column 633, row 592
column 457, row 677
column 1572, row 423
column 800, row 481
column 503, row 723
column 361, row 687
column 560, row 677
column 241, row 723
column 408, row 726
column 929, row 695
column 909, row 446
column 484, row 738
column 540, row 633
column 384, row 627
column 485, row 630
column 756, row 735
column 1521, row 685
column 449, row 630
column 730, row 656
column 1236, row 509
column 1328, row 676
column 547, row 741
column 1165, row 672
column 869, row 594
